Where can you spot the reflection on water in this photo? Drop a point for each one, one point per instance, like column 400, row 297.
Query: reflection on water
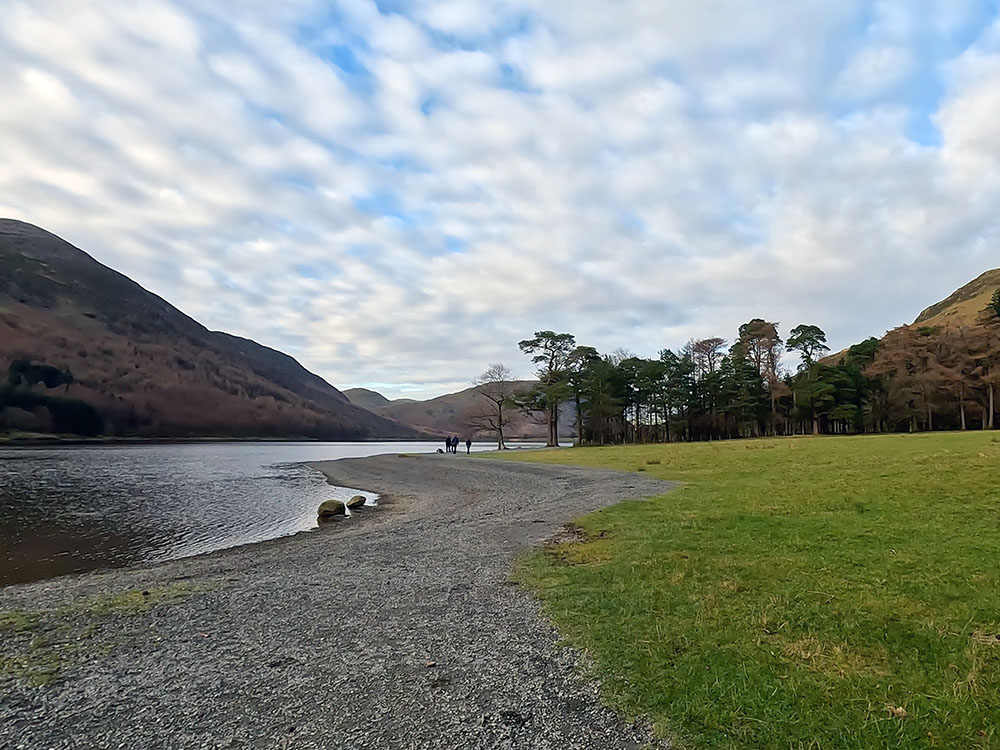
column 69, row 509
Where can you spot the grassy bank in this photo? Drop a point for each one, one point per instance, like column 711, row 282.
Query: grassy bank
column 795, row 593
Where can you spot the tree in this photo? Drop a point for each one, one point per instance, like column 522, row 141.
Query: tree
column 706, row 355
column 577, row 364
column 603, row 399
column 26, row 373
column 498, row 397
column 550, row 352
column 989, row 356
column 809, row 341
column 958, row 349
column 909, row 360
column 815, row 398
column 761, row 345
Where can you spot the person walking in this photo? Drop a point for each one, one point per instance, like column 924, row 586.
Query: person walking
column 468, row 447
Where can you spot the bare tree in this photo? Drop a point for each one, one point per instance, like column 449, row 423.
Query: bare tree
column 497, row 403
column 706, row 354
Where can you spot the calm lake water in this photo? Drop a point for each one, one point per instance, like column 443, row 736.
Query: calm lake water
column 71, row 509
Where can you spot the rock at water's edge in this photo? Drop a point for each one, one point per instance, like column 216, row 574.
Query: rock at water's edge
column 330, row 508
column 357, row 501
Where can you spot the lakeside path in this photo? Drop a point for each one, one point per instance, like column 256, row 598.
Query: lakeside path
column 395, row 629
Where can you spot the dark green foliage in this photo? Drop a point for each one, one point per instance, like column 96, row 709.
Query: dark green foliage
column 70, row 416
column 551, row 353
column 810, row 341
column 994, row 306
column 864, row 353
column 24, row 372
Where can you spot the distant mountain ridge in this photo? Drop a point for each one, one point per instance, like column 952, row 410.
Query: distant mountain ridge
column 149, row 369
column 366, row 399
column 445, row 415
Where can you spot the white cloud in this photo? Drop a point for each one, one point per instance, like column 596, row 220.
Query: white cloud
column 874, row 70
column 483, row 170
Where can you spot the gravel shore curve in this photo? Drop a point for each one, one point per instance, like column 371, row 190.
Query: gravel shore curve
column 397, row 628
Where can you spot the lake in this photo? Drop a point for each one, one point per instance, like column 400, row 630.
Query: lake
column 72, row 509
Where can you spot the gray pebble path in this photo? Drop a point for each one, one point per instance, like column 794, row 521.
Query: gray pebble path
column 397, row 628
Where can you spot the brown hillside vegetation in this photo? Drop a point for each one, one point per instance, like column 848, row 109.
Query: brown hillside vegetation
column 941, row 372
column 147, row 368
column 962, row 307
column 446, row 415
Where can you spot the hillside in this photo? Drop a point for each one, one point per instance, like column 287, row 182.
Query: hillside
column 965, row 305
column 366, row 399
column 147, row 368
column 446, row 414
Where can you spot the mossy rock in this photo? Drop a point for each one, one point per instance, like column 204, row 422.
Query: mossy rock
column 330, row 508
column 358, row 501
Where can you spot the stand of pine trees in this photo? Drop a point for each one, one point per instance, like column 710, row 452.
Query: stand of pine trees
column 915, row 378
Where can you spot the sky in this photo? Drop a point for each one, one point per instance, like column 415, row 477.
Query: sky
column 396, row 193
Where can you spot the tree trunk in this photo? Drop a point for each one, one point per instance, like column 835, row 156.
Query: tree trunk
column 579, row 420
column 961, row 408
column 815, row 425
column 992, row 408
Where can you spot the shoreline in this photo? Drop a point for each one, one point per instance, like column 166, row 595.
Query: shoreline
column 384, row 504
column 411, row 609
column 75, row 440
column 26, row 566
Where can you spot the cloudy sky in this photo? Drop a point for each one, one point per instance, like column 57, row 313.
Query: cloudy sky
column 396, row 192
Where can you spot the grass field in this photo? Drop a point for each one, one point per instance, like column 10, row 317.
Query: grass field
column 795, row 593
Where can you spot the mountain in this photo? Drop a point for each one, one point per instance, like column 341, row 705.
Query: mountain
column 965, row 305
column 445, row 415
column 366, row 399
column 143, row 366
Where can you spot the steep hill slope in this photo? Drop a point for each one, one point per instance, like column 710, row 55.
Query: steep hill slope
column 146, row 367
column 964, row 305
column 446, row 414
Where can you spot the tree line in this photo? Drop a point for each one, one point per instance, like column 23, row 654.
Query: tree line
column 59, row 413
column 917, row 377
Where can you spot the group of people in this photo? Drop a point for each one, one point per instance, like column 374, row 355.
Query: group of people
column 451, row 444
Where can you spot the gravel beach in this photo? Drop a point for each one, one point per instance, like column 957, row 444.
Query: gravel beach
column 397, row 628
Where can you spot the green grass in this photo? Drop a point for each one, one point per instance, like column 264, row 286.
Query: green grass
column 794, row 593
